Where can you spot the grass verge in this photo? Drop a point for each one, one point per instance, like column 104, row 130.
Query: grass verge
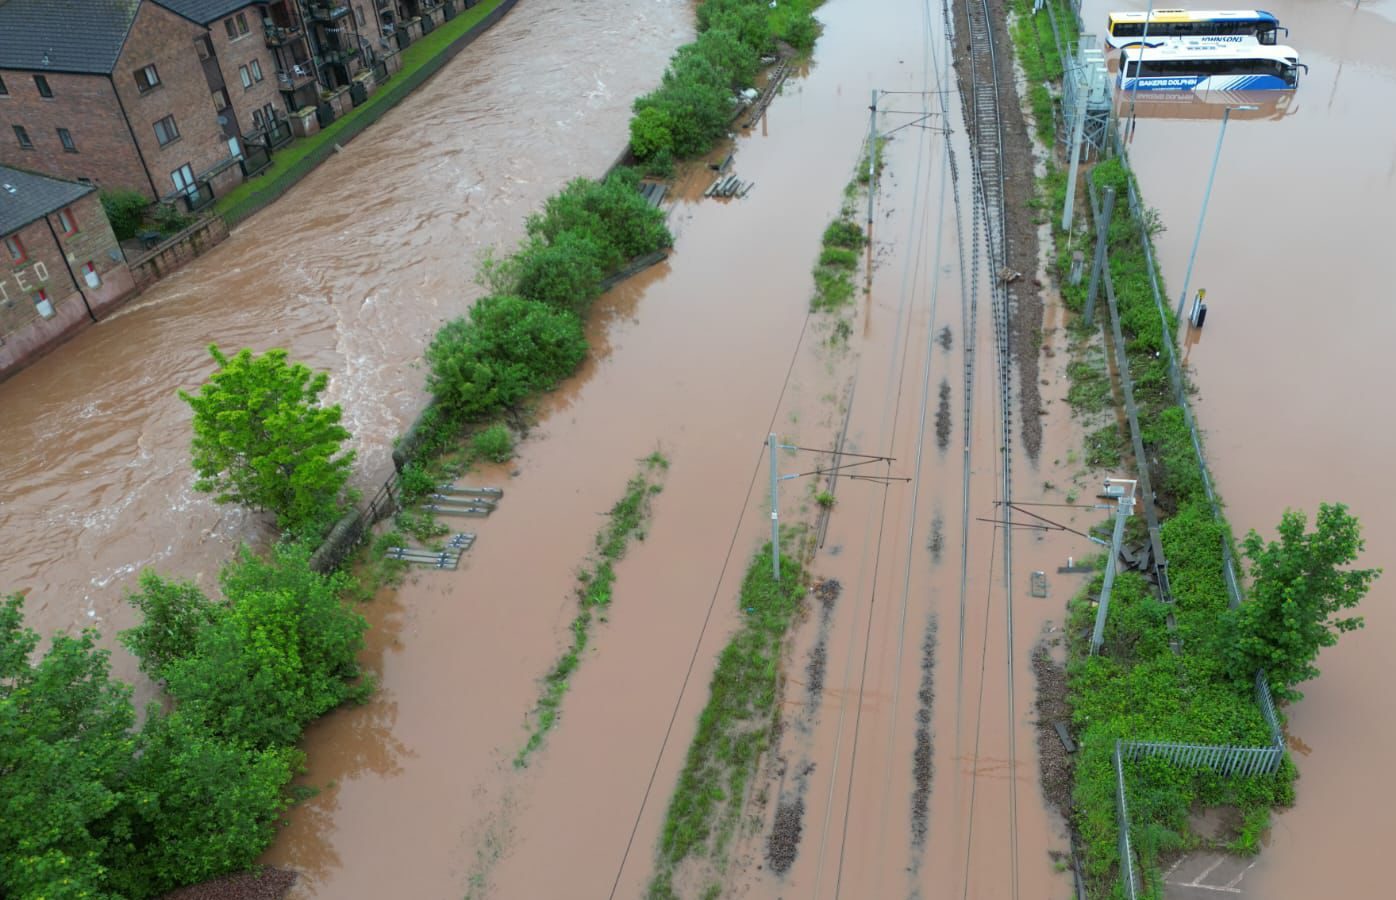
column 735, row 727
column 627, row 519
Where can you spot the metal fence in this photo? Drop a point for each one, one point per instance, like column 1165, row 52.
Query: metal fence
column 1128, row 875
column 1224, row 760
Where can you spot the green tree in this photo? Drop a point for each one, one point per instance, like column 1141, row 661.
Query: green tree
column 261, row 438
column 65, row 748
column 285, row 652
column 197, row 805
column 173, row 613
column 1298, row 592
column 506, row 349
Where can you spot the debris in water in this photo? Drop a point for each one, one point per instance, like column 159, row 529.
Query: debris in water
column 944, row 338
column 922, row 769
column 784, row 841
column 937, row 541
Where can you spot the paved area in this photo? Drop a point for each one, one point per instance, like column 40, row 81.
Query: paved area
column 1207, row 874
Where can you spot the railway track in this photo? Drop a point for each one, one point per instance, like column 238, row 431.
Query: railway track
column 981, row 92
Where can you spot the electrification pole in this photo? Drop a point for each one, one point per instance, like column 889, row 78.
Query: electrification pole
column 1122, row 512
column 1077, row 131
column 775, row 511
column 1101, row 239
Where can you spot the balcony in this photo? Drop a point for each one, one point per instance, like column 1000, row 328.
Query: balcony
column 339, row 57
column 321, row 12
column 300, row 74
column 279, row 36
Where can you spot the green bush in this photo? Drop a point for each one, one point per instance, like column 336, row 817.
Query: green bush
column 838, row 257
column 610, row 213
column 125, row 210
column 507, row 349
column 843, row 233
column 495, row 444
column 173, row 614
column 565, row 273
column 285, row 653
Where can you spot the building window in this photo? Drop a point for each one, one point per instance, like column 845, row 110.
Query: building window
column 4, row 91
column 84, row 180
column 89, row 275
column 220, row 100
column 166, row 131
column 269, row 113
column 183, row 179
column 68, row 222
column 41, row 83
column 66, row 138
column 359, row 15
column 245, row 76
column 23, row 137
column 147, row 78
column 15, row 248
column 236, row 26
column 204, row 46
column 41, row 304
column 256, row 68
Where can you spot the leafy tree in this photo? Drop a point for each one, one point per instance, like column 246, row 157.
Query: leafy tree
column 746, row 19
column 612, row 213
column 1298, row 591
column 198, row 805
column 65, row 748
column 173, row 613
column 505, row 350
column 125, row 210
column 262, row 438
column 725, row 51
column 283, row 654
column 651, row 132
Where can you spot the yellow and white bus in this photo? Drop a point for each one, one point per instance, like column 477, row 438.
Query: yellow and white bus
column 1126, row 29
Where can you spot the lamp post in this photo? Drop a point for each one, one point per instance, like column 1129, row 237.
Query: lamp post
column 1207, row 195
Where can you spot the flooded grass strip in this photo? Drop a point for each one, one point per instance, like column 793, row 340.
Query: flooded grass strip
column 595, row 583
column 1150, row 682
column 734, row 728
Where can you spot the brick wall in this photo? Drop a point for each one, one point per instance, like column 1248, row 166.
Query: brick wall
column 194, row 241
column 24, row 333
column 166, row 40
column 234, row 55
column 86, row 106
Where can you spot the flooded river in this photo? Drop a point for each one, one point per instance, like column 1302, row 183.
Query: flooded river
column 352, row 272
column 1292, row 363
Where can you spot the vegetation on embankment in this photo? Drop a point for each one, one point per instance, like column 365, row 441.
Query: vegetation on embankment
column 691, row 109
column 595, row 583
column 96, row 807
column 1138, row 688
column 734, row 728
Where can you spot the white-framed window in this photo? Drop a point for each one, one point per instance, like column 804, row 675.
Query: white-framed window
column 255, row 67
column 236, row 26
column 245, row 77
column 90, row 276
column 183, row 179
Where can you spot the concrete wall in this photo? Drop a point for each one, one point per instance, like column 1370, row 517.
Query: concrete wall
column 178, row 250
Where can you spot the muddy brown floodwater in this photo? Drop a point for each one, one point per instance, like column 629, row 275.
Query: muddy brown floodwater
column 1293, row 366
column 352, row 272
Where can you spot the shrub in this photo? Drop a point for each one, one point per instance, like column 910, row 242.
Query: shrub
column 843, row 233
column 611, row 213
column 838, row 257
column 565, row 273
column 125, row 210
column 495, row 444
column 508, row 348
column 173, row 613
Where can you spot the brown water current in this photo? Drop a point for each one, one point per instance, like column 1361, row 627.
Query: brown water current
column 352, row 272
column 1291, row 366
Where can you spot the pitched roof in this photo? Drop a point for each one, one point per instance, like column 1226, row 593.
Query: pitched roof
column 204, row 11
column 25, row 196
column 83, row 36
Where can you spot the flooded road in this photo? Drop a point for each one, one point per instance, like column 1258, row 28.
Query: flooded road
column 1291, row 365
column 352, row 272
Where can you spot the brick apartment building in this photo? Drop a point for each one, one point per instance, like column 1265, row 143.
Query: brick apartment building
column 164, row 96
column 60, row 265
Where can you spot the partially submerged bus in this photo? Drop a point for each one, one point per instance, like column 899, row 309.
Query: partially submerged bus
column 1209, row 67
column 1125, row 29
